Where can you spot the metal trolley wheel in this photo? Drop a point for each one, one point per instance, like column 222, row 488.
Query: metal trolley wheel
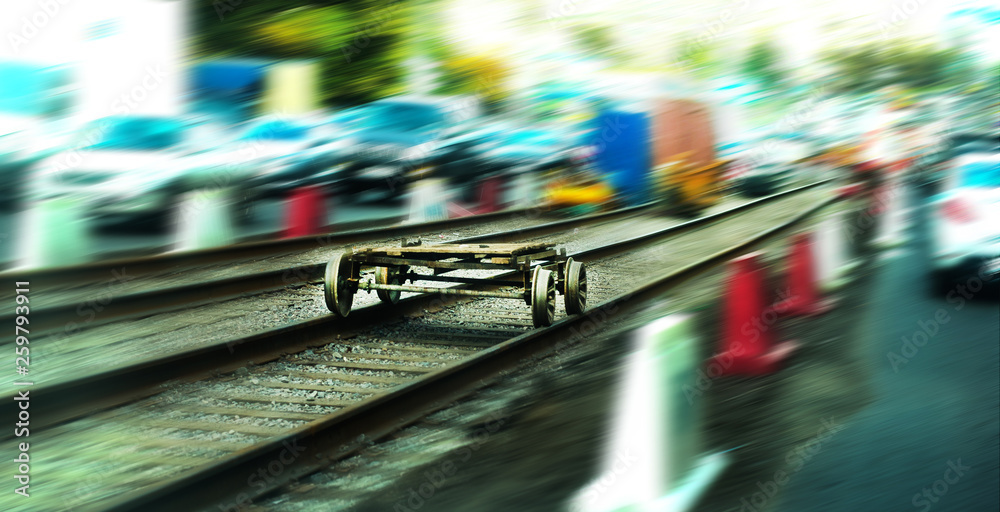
column 543, row 298
column 337, row 290
column 389, row 275
column 575, row 287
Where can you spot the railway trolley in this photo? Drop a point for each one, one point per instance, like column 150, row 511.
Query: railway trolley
column 539, row 271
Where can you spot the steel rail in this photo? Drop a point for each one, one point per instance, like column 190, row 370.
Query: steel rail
column 63, row 401
column 333, row 437
column 100, row 270
column 47, row 318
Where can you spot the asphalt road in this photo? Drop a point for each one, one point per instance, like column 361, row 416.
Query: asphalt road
column 929, row 440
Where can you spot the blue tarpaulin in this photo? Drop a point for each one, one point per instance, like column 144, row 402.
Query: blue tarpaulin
column 229, row 75
column 228, row 87
column 623, row 153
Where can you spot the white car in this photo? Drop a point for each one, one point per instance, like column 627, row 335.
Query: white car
column 134, row 168
column 965, row 222
column 24, row 141
column 285, row 154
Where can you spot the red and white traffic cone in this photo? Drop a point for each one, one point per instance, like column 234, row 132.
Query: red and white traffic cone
column 748, row 333
column 850, row 190
column 429, row 200
column 305, row 212
column 833, row 261
column 204, row 220
column 490, row 195
column 803, row 295
column 891, row 227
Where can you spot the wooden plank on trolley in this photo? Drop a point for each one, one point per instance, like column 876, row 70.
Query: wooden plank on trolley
column 490, row 281
column 524, row 258
column 392, row 261
column 501, row 249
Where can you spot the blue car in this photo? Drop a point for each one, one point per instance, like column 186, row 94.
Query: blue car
column 286, row 154
column 393, row 140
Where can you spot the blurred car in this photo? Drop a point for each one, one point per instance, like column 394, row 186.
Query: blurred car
column 964, row 222
column 131, row 168
column 508, row 147
column 16, row 135
column 934, row 166
column 287, row 154
column 394, row 139
column 763, row 179
column 768, row 165
column 24, row 141
column 33, row 104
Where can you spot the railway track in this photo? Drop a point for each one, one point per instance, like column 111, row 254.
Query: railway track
column 200, row 443
column 151, row 265
column 71, row 360
column 122, row 288
column 74, row 355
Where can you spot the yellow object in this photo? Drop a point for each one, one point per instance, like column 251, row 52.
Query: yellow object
column 292, row 88
column 843, row 155
column 684, row 188
column 567, row 194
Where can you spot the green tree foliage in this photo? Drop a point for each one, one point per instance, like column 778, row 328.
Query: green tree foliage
column 763, row 62
column 595, row 40
column 485, row 76
column 358, row 43
column 697, row 54
column 903, row 63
